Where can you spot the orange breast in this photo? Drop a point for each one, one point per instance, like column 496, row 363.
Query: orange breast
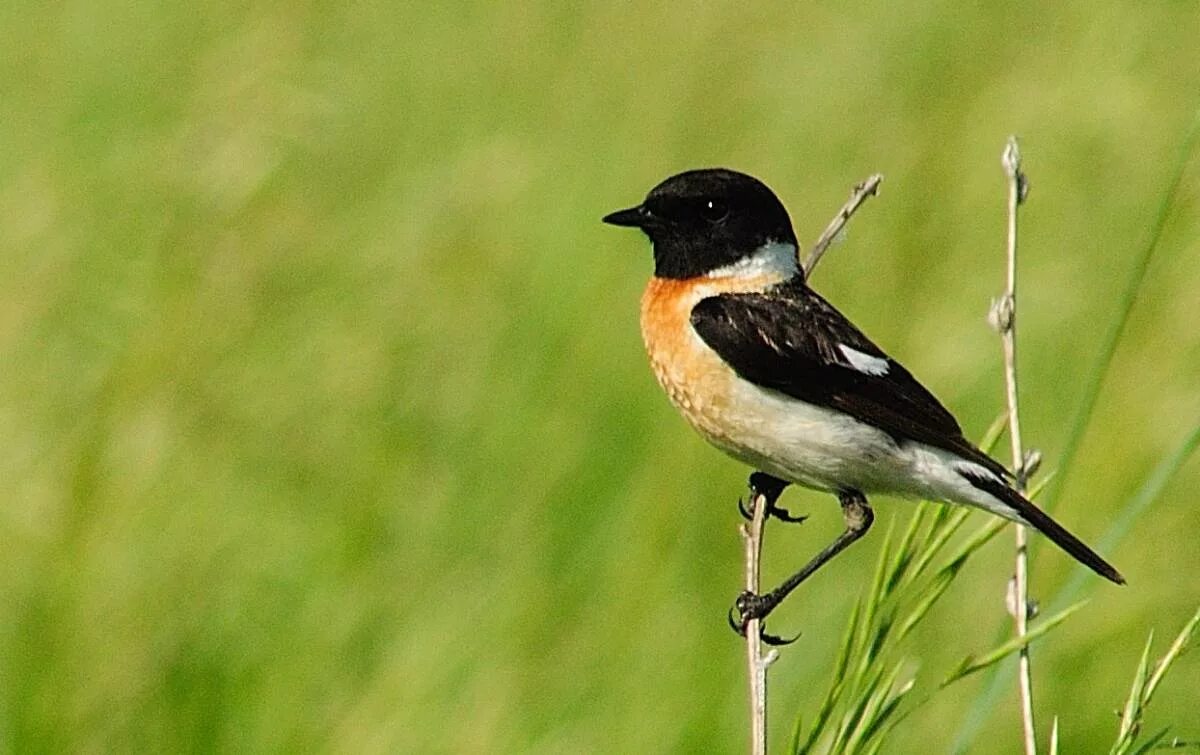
column 697, row 381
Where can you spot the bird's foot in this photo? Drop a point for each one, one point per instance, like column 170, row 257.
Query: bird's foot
column 749, row 607
column 784, row 515
column 778, row 512
column 770, row 488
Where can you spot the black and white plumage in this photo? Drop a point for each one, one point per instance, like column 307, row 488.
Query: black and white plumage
column 790, row 340
column 767, row 370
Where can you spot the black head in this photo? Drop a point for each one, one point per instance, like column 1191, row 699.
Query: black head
column 702, row 220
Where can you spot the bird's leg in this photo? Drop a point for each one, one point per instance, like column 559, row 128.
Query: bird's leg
column 770, row 488
column 858, row 516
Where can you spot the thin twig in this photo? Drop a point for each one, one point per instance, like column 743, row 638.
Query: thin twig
column 1003, row 317
column 756, row 662
column 752, row 531
column 867, row 188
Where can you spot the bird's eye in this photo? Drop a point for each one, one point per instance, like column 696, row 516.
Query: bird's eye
column 714, row 210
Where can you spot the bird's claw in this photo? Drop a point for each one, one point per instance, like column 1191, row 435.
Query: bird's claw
column 784, row 515
column 744, row 511
column 778, row 512
column 748, row 607
column 774, row 640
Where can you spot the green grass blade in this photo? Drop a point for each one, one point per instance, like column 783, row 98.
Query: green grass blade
column 1132, row 511
column 1131, row 714
column 1038, row 487
column 1177, row 648
column 981, row 538
column 875, row 703
column 1152, row 742
column 836, row 687
column 937, row 540
column 1095, row 376
column 862, row 697
column 991, row 436
column 884, row 716
column 929, row 596
column 906, row 549
column 971, row 665
column 848, row 643
column 879, row 638
column 876, row 595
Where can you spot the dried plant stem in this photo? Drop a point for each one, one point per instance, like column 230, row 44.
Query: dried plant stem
column 756, row 662
column 1004, row 319
column 867, row 188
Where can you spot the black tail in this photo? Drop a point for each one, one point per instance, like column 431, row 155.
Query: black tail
column 1042, row 522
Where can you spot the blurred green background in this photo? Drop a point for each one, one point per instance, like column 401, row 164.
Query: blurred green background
column 325, row 419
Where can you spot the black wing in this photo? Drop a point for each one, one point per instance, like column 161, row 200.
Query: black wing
column 791, row 340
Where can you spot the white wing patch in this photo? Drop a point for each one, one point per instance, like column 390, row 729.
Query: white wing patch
column 864, row 363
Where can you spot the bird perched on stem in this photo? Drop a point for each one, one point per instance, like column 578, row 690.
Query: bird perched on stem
column 772, row 374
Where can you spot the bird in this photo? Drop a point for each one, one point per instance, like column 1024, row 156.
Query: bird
column 768, row 371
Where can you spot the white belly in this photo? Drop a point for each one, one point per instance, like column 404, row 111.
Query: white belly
column 803, row 443
column 827, row 450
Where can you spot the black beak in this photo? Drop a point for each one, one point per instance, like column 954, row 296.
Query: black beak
column 634, row 217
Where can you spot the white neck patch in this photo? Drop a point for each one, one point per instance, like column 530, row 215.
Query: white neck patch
column 772, row 259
